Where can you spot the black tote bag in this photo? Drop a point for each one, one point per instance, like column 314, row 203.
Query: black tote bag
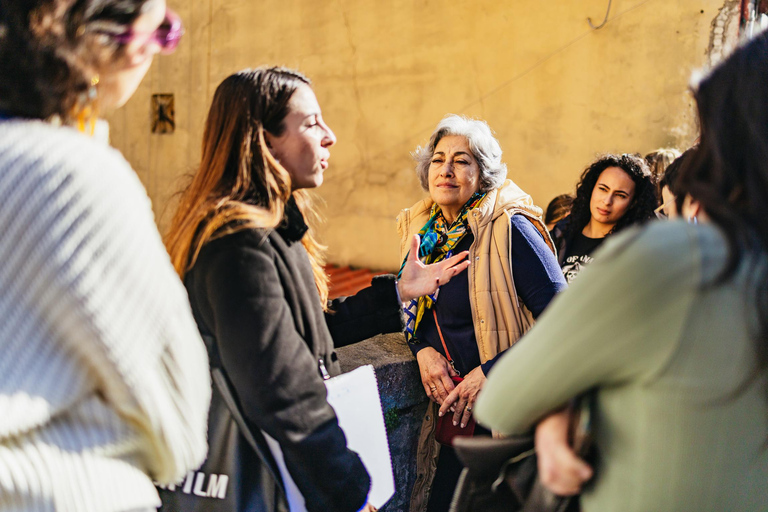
column 239, row 474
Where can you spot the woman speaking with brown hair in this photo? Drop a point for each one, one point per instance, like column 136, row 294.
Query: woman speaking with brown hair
column 254, row 273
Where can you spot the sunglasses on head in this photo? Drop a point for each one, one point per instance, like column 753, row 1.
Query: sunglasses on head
column 167, row 35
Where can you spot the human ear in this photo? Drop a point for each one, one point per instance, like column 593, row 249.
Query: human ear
column 268, row 140
column 270, row 146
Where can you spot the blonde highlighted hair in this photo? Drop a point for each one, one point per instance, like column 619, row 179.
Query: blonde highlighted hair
column 239, row 184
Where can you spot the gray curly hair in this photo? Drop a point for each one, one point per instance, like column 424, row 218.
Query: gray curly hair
column 484, row 146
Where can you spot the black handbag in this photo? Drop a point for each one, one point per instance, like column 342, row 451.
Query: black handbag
column 501, row 475
column 239, row 474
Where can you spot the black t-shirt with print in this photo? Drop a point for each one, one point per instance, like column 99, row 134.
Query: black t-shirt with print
column 579, row 254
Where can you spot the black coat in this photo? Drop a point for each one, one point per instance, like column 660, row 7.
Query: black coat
column 254, row 291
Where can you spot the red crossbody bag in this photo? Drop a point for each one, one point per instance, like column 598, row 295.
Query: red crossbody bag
column 445, row 430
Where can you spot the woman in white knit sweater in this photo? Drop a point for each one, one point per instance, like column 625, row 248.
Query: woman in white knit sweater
column 103, row 377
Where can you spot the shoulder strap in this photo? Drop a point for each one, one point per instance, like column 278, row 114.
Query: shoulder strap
column 442, row 340
column 222, row 385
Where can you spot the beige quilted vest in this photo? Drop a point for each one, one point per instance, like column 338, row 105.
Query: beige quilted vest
column 500, row 317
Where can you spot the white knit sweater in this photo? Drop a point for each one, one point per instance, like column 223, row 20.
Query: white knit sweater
column 103, row 377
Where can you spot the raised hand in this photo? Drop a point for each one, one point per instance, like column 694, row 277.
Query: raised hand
column 418, row 279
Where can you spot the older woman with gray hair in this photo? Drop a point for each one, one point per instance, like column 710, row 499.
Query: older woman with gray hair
column 462, row 329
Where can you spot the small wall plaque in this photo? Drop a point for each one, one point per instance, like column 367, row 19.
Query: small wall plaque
column 163, row 114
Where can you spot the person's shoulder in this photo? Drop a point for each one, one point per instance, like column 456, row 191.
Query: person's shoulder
column 61, row 154
column 55, row 143
column 235, row 257
column 666, row 237
column 419, row 208
column 669, row 245
column 524, row 225
column 521, row 221
column 57, row 169
column 239, row 242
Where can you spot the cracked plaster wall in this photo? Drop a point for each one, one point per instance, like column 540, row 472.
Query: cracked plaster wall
column 555, row 91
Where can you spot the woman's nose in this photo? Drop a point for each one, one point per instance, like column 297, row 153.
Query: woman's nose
column 446, row 169
column 329, row 139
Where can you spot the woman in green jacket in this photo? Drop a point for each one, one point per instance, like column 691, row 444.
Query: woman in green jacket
column 678, row 354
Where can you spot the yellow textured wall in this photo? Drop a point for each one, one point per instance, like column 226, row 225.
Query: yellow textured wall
column 555, row 91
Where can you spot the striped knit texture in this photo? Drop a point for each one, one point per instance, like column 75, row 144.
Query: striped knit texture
column 103, row 377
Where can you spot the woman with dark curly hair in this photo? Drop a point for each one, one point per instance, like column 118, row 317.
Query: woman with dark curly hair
column 242, row 241
column 104, row 384
column 614, row 192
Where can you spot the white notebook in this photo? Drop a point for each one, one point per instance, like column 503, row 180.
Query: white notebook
column 355, row 398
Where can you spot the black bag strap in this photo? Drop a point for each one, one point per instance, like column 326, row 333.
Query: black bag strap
column 222, row 385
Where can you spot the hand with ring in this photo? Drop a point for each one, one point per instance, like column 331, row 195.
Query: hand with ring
column 463, row 397
column 436, row 374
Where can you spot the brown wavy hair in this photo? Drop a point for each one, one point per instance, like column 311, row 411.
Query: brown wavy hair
column 658, row 161
column 50, row 50
column 239, row 184
column 558, row 208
